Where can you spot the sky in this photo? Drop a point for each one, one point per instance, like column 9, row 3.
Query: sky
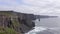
column 39, row 7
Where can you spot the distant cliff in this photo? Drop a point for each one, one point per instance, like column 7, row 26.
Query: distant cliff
column 19, row 22
column 45, row 16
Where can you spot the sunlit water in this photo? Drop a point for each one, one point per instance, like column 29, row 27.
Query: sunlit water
column 46, row 26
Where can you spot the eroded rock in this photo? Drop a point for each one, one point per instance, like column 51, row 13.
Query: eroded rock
column 20, row 22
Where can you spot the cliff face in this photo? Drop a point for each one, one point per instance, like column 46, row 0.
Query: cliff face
column 20, row 22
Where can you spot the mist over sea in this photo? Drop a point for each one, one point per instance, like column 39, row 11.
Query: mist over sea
column 46, row 26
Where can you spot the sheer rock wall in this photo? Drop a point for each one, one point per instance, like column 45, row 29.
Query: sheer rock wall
column 20, row 22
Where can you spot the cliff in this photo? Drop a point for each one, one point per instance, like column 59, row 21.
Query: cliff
column 19, row 23
column 45, row 16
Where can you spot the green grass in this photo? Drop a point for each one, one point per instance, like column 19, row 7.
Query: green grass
column 10, row 31
column 8, row 14
column 15, row 22
column 7, row 31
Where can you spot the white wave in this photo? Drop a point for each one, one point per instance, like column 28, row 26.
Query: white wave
column 41, row 29
column 37, row 29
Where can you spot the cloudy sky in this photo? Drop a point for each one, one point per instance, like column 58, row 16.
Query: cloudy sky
column 46, row 7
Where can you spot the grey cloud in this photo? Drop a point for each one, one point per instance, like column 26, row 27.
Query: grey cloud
column 46, row 6
column 33, row 6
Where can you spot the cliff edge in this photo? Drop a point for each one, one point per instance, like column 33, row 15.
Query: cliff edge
column 16, row 22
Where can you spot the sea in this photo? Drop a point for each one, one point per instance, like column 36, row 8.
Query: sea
column 46, row 26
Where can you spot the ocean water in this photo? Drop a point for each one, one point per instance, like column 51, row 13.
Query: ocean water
column 46, row 26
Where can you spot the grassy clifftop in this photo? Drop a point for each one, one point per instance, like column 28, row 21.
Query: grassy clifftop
column 15, row 23
column 8, row 22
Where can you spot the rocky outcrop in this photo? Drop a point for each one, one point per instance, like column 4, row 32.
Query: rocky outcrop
column 44, row 16
column 20, row 22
